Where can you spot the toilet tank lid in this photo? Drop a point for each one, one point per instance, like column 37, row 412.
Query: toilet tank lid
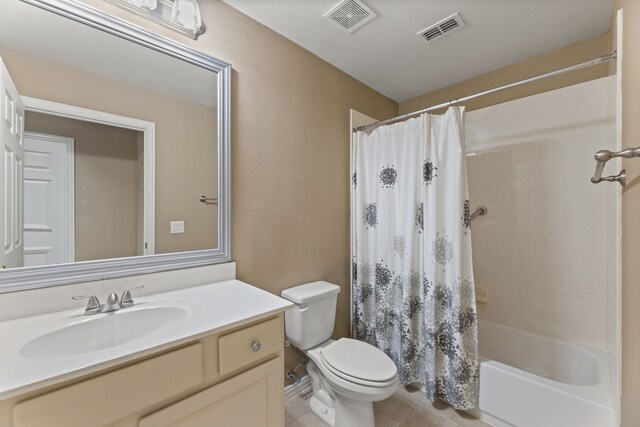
column 304, row 294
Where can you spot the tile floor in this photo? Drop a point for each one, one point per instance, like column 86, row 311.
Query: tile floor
column 406, row 408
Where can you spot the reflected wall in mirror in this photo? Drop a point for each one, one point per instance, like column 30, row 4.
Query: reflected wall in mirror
column 119, row 141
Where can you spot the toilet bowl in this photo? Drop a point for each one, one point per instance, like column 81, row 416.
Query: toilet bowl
column 343, row 394
column 347, row 375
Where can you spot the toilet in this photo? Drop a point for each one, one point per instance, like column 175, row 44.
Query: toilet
column 347, row 375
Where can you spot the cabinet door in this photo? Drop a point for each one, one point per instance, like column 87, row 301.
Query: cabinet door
column 251, row 399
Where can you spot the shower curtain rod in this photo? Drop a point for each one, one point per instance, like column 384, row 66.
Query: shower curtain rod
column 596, row 61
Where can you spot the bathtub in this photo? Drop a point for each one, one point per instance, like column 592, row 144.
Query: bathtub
column 527, row 380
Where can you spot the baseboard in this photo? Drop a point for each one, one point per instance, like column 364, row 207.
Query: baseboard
column 302, row 388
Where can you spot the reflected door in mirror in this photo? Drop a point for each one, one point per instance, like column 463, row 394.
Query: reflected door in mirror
column 11, row 163
column 48, row 199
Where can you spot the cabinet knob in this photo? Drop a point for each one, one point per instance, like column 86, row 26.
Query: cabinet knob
column 256, row 346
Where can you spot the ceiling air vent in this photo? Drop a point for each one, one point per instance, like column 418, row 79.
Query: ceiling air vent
column 350, row 15
column 443, row 27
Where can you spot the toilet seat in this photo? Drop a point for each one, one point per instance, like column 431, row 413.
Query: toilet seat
column 359, row 381
column 359, row 362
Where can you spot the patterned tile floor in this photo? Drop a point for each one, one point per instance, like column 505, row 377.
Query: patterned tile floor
column 406, row 408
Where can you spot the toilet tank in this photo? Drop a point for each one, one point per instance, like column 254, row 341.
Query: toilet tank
column 312, row 319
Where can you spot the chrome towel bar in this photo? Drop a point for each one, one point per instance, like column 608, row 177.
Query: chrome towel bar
column 603, row 156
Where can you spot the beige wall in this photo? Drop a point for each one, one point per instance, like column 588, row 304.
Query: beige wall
column 569, row 55
column 185, row 149
column 630, row 214
column 106, row 189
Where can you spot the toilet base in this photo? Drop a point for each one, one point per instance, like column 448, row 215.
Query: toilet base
column 322, row 411
column 347, row 413
column 354, row 413
column 335, row 409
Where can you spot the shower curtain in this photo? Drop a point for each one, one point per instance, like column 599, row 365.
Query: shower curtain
column 413, row 294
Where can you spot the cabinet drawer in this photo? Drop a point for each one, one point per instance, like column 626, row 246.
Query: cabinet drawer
column 236, row 349
column 112, row 396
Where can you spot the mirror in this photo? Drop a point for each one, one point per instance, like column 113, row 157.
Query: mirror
column 114, row 148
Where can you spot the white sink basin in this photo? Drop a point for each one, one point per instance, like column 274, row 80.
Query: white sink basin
column 45, row 349
column 101, row 331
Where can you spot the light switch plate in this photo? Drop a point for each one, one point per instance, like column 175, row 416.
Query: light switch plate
column 176, row 227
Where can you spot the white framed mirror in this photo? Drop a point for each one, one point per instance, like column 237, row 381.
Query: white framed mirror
column 114, row 151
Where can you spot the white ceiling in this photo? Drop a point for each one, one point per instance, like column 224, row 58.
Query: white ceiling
column 46, row 36
column 387, row 55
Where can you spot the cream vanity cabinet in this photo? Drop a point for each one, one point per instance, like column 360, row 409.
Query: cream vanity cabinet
column 233, row 378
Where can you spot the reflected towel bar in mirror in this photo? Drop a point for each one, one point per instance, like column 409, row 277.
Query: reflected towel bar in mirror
column 209, row 200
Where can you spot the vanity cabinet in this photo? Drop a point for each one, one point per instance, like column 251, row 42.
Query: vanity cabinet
column 234, row 377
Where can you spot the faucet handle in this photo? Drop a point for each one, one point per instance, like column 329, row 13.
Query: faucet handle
column 93, row 305
column 126, row 300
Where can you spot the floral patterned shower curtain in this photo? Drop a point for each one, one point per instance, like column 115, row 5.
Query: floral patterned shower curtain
column 413, row 291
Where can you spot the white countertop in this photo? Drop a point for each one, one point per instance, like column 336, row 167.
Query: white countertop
column 211, row 308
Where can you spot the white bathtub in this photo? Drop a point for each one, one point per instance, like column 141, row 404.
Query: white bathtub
column 528, row 380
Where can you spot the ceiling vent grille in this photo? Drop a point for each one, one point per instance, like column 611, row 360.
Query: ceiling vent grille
column 350, row 15
column 446, row 26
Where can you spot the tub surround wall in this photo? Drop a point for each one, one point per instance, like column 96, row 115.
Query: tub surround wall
column 546, row 250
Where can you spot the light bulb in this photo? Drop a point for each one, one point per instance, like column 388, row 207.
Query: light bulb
column 187, row 13
column 147, row 4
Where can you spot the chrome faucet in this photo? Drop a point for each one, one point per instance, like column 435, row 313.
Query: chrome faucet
column 113, row 302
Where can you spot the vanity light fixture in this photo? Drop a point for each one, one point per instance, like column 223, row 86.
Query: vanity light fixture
column 179, row 15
